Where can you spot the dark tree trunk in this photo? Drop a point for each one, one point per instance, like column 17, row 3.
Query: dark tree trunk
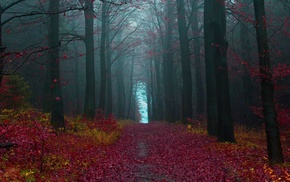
column 220, row 44
column 103, row 58
column 89, row 107
column 168, row 67
column 197, row 47
column 185, row 63
column 158, row 97
column 120, row 90
column 46, row 107
column 159, row 105
column 2, row 49
column 131, row 89
column 153, row 106
column 248, row 86
column 47, row 97
column 149, row 101
column 212, row 112
column 267, row 86
column 109, row 106
column 78, row 102
column 57, row 117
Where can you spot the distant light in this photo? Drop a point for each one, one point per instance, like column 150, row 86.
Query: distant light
column 142, row 100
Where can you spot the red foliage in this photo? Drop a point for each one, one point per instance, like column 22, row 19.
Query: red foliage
column 4, row 90
column 283, row 116
column 155, row 152
column 42, row 153
column 106, row 124
column 164, row 152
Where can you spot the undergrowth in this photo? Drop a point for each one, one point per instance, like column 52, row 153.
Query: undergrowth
column 42, row 154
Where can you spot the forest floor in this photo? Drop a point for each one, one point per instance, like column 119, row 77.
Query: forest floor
column 138, row 152
column 169, row 152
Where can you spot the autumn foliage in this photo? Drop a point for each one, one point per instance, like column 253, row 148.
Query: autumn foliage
column 42, row 154
column 101, row 150
column 14, row 92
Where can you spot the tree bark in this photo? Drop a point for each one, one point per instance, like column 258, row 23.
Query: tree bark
column 168, row 67
column 152, row 106
column 158, row 94
column 267, row 86
column 57, row 116
column 89, row 107
column 197, row 48
column 212, row 113
column 185, row 63
column 220, row 46
column 103, row 58
column 2, row 49
column 248, row 86
column 120, row 89
column 131, row 89
column 109, row 107
column 149, row 101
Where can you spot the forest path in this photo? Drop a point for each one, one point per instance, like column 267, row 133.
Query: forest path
column 157, row 152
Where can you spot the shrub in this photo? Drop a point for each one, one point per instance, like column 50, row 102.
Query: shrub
column 14, row 92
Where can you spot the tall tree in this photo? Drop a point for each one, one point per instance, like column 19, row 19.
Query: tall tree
column 121, row 96
column 212, row 112
column 57, row 116
column 220, row 121
column 89, row 107
column 169, row 114
column 152, row 92
column 164, row 42
column 267, row 85
column 225, row 122
column 158, row 95
column 246, row 55
column 131, row 89
column 109, row 107
column 185, row 63
column 3, row 9
column 197, row 48
column 103, row 57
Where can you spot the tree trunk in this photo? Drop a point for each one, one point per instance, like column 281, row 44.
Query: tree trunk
column 158, row 97
column 103, row 58
column 131, row 89
column 2, row 49
column 248, row 86
column 149, row 101
column 78, row 102
column 109, row 107
column 267, row 86
column 46, row 107
column 219, row 44
column 89, row 107
column 197, row 47
column 212, row 113
column 168, row 67
column 153, row 106
column 185, row 63
column 120, row 90
column 57, row 117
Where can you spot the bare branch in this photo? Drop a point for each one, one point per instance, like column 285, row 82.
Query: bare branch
column 34, row 13
column 11, row 5
column 113, row 3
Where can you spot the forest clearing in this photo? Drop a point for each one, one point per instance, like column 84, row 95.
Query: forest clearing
column 108, row 150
